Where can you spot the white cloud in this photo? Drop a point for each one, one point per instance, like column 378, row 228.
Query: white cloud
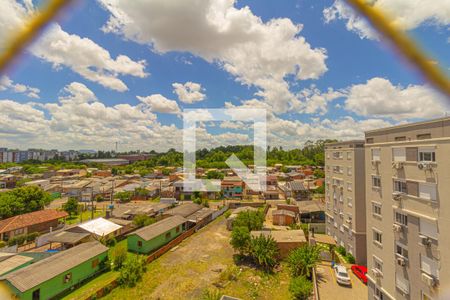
column 378, row 97
column 189, row 92
column 81, row 55
column 7, row 84
column 237, row 125
column 407, row 14
column 257, row 53
column 313, row 101
column 159, row 103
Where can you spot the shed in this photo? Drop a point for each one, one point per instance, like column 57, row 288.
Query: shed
column 286, row 240
column 283, row 217
column 99, row 227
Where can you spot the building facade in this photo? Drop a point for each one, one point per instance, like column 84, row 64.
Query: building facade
column 407, row 181
column 345, row 196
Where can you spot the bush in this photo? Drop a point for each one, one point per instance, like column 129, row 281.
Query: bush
column 253, row 220
column 300, row 288
column 240, row 239
column 118, row 256
column 227, row 214
column 2, row 244
column 350, row 258
column 264, row 251
column 143, row 220
column 302, row 260
column 132, row 270
column 341, row 250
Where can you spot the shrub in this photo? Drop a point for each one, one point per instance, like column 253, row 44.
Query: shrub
column 227, row 214
column 264, row 251
column 240, row 239
column 253, row 220
column 341, row 250
column 132, row 270
column 211, row 294
column 118, row 256
column 303, row 259
column 350, row 258
column 2, row 244
column 143, row 220
column 300, row 288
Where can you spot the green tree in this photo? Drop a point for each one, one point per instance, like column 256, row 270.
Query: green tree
column 318, row 173
column 23, row 200
column 264, row 251
column 117, row 256
column 240, row 239
column 132, row 270
column 302, row 260
column 253, row 220
column 143, row 220
column 300, row 288
column 71, row 206
column 124, row 196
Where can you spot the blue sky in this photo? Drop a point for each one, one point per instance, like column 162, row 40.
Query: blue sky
column 235, row 57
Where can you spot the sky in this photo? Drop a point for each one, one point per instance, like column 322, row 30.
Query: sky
column 110, row 71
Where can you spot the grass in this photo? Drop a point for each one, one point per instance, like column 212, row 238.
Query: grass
column 85, row 215
column 92, row 286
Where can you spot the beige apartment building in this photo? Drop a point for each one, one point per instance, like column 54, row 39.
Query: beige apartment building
column 345, row 196
column 408, row 211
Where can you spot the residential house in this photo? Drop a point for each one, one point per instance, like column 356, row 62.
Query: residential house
column 9, row 180
column 54, row 275
column 184, row 210
column 99, row 228
column 232, row 187
column 287, row 240
column 311, row 211
column 154, row 236
column 295, row 189
column 283, row 217
column 39, row 221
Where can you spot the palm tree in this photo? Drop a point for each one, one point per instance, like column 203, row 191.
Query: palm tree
column 302, row 260
column 264, row 251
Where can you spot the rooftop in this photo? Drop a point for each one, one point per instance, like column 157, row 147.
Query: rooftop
column 36, row 217
column 184, row 210
column 99, row 226
column 283, row 236
column 158, row 228
column 43, row 270
column 283, row 212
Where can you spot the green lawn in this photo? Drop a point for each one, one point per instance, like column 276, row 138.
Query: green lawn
column 85, row 215
column 92, row 286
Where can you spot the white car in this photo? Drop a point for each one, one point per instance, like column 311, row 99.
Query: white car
column 341, row 275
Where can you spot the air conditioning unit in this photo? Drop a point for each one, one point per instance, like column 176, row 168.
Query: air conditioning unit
column 428, row 279
column 397, row 164
column 401, row 261
column 420, row 165
column 425, row 240
column 424, row 165
column 397, row 196
column 397, row 227
column 376, row 272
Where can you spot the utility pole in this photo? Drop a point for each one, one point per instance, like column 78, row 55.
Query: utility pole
column 92, row 203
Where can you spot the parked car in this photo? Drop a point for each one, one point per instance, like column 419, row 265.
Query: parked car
column 341, row 275
column 360, row 272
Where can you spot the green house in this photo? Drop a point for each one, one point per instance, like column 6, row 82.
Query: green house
column 152, row 237
column 50, row 277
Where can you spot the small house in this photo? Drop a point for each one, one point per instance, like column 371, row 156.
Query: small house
column 283, row 217
column 98, row 228
column 154, row 236
column 232, row 187
column 54, row 275
column 287, row 240
column 295, row 189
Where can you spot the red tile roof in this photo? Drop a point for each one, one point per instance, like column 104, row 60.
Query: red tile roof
column 33, row 218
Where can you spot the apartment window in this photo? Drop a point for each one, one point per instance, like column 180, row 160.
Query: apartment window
column 376, row 181
column 401, row 219
column 378, row 264
column 349, row 186
column 401, row 250
column 402, row 283
column 429, row 266
column 428, row 228
column 349, row 155
column 369, row 140
column 427, row 154
column 349, row 202
column 341, row 229
column 400, row 186
column 424, row 136
column 341, row 198
column 376, row 209
column 377, row 236
column 94, row 263
column 399, row 154
column 335, row 225
column 349, row 171
column 350, row 249
column 376, row 154
column 377, row 294
column 427, row 190
column 400, row 138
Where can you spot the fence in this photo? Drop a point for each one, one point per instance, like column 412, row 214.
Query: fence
column 315, row 285
column 219, row 212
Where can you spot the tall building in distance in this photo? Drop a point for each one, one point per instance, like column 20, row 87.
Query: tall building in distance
column 345, row 196
column 407, row 190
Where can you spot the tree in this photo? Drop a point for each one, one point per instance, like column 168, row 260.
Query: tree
column 71, row 206
column 264, row 251
column 23, row 200
column 118, row 256
column 253, row 220
column 124, row 196
column 318, row 173
column 143, row 220
column 300, row 288
column 302, row 260
column 132, row 270
column 240, row 239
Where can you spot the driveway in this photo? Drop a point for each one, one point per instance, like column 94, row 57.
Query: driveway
column 330, row 289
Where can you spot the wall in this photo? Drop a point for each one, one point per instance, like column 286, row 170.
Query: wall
column 148, row 246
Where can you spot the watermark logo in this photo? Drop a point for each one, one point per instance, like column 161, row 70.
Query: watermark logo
column 256, row 179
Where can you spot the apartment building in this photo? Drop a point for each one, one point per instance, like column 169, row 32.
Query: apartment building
column 407, row 186
column 345, row 196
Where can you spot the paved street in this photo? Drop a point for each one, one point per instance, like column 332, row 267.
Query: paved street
column 330, row 289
